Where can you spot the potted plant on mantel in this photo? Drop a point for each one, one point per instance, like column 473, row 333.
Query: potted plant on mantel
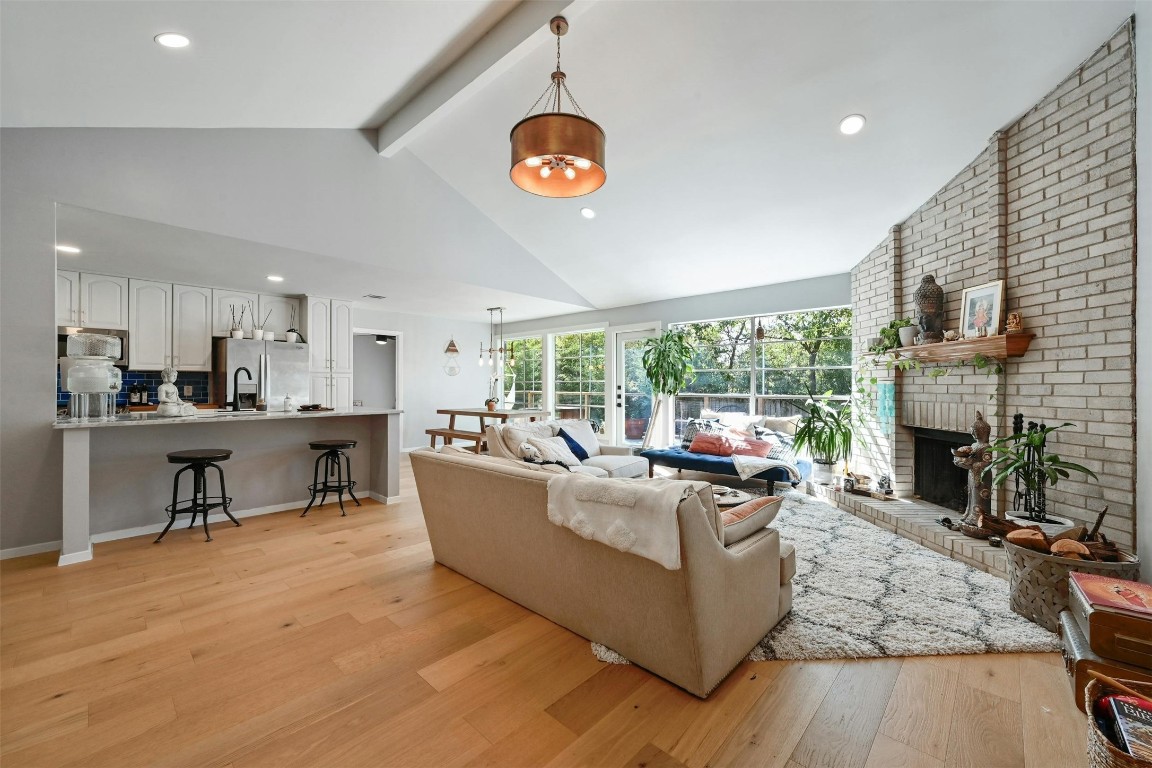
column 825, row 430
column 666, row 360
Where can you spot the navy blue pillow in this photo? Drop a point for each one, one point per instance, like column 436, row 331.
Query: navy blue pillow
column 577, row 449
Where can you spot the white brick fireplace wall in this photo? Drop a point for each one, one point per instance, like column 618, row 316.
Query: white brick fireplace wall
column 1049, row 207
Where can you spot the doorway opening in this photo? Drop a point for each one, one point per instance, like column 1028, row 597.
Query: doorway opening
column 376, row 379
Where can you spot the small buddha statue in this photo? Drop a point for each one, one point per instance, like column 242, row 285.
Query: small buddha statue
column 975, row 458
column 169, row 397
column 929, row 298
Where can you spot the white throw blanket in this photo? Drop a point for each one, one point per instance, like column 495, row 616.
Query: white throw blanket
column 636, row 516
column 747, row 466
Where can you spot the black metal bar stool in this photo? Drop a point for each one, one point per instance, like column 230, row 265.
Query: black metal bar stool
column 197, row 461
column 322, row 484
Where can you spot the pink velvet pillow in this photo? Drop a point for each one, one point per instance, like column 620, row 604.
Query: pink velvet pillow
column 752, row 447
column 715, row 445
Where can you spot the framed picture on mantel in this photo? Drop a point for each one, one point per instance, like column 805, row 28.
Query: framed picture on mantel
column 980, row 311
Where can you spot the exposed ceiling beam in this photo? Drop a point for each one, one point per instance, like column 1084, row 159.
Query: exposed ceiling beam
column 518, row 33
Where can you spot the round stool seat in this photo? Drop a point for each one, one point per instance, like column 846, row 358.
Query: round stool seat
column 199, row 455
column 328, row 445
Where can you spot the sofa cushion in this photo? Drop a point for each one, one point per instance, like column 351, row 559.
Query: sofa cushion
column 619, row 466
column 516, row 435
column 589, row 470
column 782, row 449
column 787, row 425
column 573, row 444
column 695, row 426
column 711, row 444
column 749, row 517
column 554, row 449
column 579, row 430
column 750, row 446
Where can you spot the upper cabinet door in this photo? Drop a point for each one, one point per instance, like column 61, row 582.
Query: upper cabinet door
column 282, row 313
column 319, row 335
column 67, row 297
column 341, row 336
column 191, row 328
column 149, row 325
column 103, row 301
column 228, row 304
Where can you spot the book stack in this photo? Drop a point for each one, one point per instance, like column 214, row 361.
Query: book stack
column 1107, row 628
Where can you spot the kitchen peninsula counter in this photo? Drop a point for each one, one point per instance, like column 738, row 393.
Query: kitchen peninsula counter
column 116, row 483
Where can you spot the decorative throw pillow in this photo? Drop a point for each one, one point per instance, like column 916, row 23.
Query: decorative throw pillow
column 785, row 424
column 573, row 445
column 782, row 449
column 695, row 426
column 750, row 446
column 743, row 520
column 580, row 430
column 711, row 444
column 554, row 449
column 516, row 436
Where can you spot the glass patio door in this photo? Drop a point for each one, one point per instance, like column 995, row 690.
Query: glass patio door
column 633, row 391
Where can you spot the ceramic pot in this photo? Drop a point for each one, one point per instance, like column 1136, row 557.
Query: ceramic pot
column 908, row 335
column 822, row 473
column 291, row 336
column 269, row 335
column 237, row 333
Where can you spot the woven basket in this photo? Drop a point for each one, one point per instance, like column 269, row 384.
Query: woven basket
column 1101, row 752
column 1039, row 583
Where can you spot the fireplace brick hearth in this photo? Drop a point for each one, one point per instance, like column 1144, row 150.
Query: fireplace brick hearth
column 1049, row 207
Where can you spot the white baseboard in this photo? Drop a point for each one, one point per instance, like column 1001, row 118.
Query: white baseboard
column 31, row 549
column 219, row 517
column 76, row 557
column 383, row 499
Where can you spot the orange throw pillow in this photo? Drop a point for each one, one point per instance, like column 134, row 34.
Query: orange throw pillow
column 714, row 445
column 753, row 447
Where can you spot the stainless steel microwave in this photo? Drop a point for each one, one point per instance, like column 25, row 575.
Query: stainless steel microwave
column 64, row 331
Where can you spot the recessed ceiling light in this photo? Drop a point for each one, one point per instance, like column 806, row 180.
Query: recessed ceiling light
column 67, row 249
column 851, row 124
column 172, row 40
column 276, row 278
column 588, row 213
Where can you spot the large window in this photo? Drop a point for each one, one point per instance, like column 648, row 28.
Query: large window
column 800, row 353
column 528, row 387
column 578, row 376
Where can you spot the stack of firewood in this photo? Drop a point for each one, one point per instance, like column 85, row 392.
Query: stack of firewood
column 1078, row 543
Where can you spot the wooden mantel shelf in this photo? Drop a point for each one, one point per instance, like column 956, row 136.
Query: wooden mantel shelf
column 992, row 347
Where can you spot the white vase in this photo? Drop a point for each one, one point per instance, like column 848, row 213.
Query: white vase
column 257, row 333
column 237, row 333
column 291, row 336
column 908, row 335
column 269, row 335
column 822, row 473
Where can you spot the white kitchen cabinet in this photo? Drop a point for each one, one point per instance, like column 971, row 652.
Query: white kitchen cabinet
column 149, row 325
column 341, row 337
column 191, row 328
column 319, row 336
column 103, row 301
column 67, row 297
column 224, row 302
column 341, row 393
column 319, row 388
column 282, row 313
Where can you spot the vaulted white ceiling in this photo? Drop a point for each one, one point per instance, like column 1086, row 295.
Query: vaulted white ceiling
column 725, row 165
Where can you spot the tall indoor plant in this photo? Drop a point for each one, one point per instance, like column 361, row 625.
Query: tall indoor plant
column 825, row 430
column 666, row 360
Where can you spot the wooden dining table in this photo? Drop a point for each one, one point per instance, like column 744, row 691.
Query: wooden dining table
column 482, row 413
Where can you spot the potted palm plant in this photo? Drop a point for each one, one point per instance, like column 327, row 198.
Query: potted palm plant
column 1025, row 455
column 825, row 431
column 637, row 409
column 666, row 360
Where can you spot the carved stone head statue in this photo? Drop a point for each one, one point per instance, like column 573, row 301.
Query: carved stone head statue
column 929, row 299
column 981, row 429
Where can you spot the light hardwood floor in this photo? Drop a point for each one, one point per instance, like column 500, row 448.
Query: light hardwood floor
column 331, row 641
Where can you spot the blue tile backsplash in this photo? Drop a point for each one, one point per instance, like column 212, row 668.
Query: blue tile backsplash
column 197, row 380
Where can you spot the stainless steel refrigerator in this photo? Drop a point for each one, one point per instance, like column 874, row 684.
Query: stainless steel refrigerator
column 278, row 368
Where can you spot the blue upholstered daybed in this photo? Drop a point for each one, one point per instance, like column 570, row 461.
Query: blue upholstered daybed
column 679, row 458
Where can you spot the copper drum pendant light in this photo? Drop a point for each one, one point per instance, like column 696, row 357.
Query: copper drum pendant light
column 556, row 153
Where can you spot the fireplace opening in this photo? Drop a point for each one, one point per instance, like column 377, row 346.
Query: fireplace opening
column 935, row 478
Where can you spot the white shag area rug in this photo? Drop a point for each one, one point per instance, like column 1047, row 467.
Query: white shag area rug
column 863, row 592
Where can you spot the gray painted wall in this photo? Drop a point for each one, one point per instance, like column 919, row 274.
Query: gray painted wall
column 374, row 377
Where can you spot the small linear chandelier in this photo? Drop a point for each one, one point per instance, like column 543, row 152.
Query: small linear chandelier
column 557, row 153
column 495, row 338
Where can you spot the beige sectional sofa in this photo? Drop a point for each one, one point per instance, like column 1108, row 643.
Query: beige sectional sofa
column 602, row 461
column 487, row 519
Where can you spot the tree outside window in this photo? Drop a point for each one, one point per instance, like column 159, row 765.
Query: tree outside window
column 578, row 375
column 528, row 368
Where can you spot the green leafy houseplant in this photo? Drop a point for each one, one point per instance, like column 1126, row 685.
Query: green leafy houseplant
column 890, row 335
column 1026, row 453
column 825, row 430
column 666, row 360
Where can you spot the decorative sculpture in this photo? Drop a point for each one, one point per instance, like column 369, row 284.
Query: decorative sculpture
column 929, row 299
column 975, row 458
column 170, row 402
column 1015, row 325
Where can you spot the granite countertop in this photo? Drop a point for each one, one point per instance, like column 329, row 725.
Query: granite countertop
column 147, row 419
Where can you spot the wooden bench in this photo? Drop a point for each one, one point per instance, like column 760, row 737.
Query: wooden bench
column 461, row 434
